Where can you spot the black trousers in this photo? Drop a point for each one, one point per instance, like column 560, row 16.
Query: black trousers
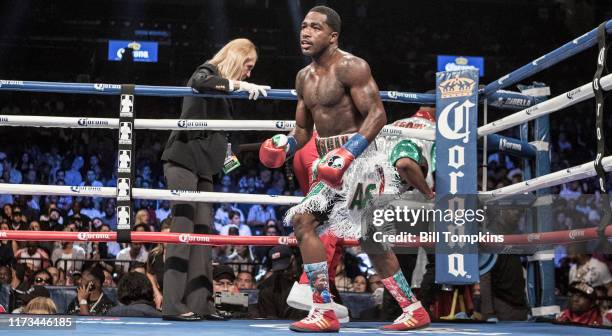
column 188, row 268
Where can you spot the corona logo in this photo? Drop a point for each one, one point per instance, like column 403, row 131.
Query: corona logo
column 573, row 234
column 103, row 87
column 91, row 122
column 573, row 93
column 457, row 87
column 191, row 124
column 186, row 238
column 533, row 237
column 79, row 189
column 182, row 192
column 10, row 82
column 134, row 45
column 89, row 235
column 461, row 61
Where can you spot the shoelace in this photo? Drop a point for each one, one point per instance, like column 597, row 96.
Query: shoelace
column 404, row 316
column 313, row 316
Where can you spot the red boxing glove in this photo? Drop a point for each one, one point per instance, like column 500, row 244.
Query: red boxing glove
column 273, row 152
column 331, row 168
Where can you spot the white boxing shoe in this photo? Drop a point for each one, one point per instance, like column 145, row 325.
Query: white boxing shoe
column 300, row 298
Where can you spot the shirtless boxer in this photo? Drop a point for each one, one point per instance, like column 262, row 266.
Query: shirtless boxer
column 337, row 93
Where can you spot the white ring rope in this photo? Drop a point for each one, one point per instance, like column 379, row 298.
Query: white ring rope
column 555, row 104
column 182, row 124
column 152, row 194
column 579, row 172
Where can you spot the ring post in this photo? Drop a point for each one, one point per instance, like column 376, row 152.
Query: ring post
column 456, row 173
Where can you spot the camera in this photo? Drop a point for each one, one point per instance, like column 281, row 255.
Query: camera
column 235, row 304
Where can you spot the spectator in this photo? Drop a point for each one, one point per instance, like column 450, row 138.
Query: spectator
column 163, row 211
column 587, row 269
column 19, row 287
column 90, row 299
column 136, row 297
column 56, row 220
column 261, row 252
column 142, row 217
column 343, row 282
column 108, row 279
column 132, row 253
column 19, row 220
column 244, row 280
column 55, row 275
column 68, row 257
column 274, row 290
column 88, row 209
column 260, row 214
column 224, row 279
column 222, row 215
column 91, row 180
column 33, row 256
column 112, row 248
column 73, row 176
column 243, row 230
column 28, row 296
column 360, row 284
column 571, row 192
column 581, row 306
column 42, row 278
column 7, row 211
column 40, row 306
column 110, row 217
column 225, row 185
column 6, row 248
column 278, row 186
column 6, row 275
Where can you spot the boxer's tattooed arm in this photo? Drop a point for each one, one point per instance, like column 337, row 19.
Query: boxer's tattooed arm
column 303, row 117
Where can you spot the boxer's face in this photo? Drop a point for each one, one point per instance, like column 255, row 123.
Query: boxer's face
column 320, row 282
column 315, row 34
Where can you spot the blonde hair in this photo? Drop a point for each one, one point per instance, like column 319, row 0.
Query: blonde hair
column 139, row 215
column 230, row 59
column 40, row 305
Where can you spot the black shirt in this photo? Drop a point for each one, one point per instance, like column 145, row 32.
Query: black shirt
column 202, row 152
column 97, row 307
column 507, row 281
column 135, row 309
column 6, row 254
column 272, row 299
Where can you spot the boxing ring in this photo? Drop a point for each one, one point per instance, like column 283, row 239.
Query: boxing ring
column 529, row 108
